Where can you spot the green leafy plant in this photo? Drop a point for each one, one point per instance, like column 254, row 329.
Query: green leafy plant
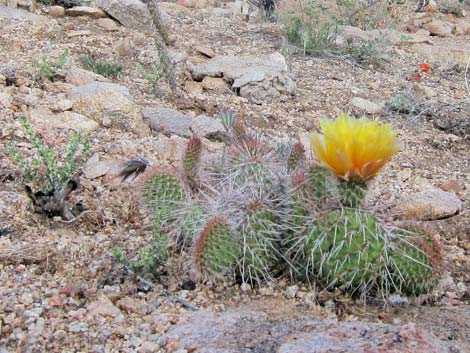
column 47, row 170
column 153, row 75
column 103, row 68
column 47, row 69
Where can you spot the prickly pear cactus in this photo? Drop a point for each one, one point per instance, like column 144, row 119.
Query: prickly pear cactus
column 322, row 183
column 416, row 262
column 191, row 160
column 296, row 157
column 348, row 249
column 216, row 251
column 163, row 192
column 352, row 193
column 260, row 236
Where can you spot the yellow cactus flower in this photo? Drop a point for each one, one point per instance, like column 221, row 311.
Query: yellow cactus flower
column 354, row 149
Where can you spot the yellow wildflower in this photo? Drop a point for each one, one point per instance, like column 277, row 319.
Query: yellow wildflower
column 354, row 149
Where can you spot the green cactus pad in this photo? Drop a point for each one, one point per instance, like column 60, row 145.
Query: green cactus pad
column 216, row 251
column 162, row 192
column 348, row 250
column 416, row 262
column 352, row 193
column 322, row 182
column 260, row 237
column 191, row 160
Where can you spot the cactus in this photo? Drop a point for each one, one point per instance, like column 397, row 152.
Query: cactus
column 260, row 236
column 163, row 193
column 191, row 160
column 352, row 193
column 296, row 157
column 216, row 251
column 323, row 183
column 416, row 262
column 188, row 221
column 347, row 249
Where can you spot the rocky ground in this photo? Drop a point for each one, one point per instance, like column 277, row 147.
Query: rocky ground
column 59, row 288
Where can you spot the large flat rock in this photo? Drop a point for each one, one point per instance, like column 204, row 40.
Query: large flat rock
column 252, row 331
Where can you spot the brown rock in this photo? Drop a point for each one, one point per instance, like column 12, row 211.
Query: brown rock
column 85, row 11
column 149, row 347
column 366, row 106
column 107, row 24
column 69, row 26
column 216, row 84
column 131, row 305
column 439, row 28
column 103, row 307
column 207, row 51
column 462, row 26
column 193, row 87
column 56, row 11
column 430, row 205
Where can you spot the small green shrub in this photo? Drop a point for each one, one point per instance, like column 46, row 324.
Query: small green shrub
column 371, row 14
column 369, row 52
column 64, row 3
column 453, row 7
column 153, row 75
column 47, row 170
column 103, row 68
column 47, row 68
column 311, row 35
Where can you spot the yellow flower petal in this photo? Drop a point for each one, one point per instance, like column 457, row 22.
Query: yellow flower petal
column 354, row 148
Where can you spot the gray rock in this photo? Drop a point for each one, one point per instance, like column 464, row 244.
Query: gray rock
column 210, row 128
column 110, row 105
column 20, row 14
column 259, row 78
column 129, row 13
column 249, row 331
column 78, row 327
column 168, row 121
column 172, row 122
column 95, row 87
